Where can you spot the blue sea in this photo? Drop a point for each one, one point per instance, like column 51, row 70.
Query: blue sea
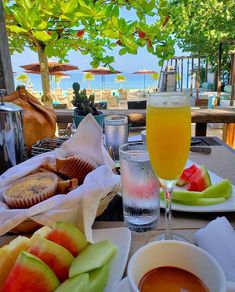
column 133, row 81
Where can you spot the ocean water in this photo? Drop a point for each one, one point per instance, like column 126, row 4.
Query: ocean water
column 133, row 81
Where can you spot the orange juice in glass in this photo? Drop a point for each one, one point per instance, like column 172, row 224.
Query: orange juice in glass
column 168, row 135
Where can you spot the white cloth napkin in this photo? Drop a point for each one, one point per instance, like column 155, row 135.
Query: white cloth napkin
column 218, row 239
column 80, row 205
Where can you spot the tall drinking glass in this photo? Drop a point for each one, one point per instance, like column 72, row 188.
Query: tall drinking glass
column 168, row 136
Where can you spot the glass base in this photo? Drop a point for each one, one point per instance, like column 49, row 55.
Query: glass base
column 177, row 237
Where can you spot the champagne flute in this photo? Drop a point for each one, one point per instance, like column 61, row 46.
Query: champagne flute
column 168, row 136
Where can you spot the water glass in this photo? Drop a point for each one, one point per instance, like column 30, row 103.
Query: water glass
column 140, row 188
column 116, row 133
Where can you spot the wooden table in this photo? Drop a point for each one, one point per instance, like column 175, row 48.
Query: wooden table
column 138, row 117
column 222, row 162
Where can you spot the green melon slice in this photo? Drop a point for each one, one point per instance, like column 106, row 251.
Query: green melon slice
column 78, row 283
column 54, row 255
column 221, row 189
column 214, row 194
column 30, row 274
column 99, row 278
column 93, row 257
column 68, row 236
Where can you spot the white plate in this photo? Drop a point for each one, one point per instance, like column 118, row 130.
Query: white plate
column 122, row 286
column 227, row 206
column 121, row 237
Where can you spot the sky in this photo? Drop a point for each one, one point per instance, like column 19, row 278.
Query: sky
column 126, row 64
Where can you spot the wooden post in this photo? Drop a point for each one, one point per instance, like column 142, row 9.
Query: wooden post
column 219, row 74
column 187, row 72
column 182, row 74
column 232, row 78
column 198, row 78
column 175, row 74
column 159, row 81
column 191, row 80
column 206, row 70
column 6, row 74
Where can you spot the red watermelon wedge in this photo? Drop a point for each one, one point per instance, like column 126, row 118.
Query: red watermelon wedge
column 68, row 236
column 200, row 180
column 30, row 274
column 54, row 255
column 186, row 174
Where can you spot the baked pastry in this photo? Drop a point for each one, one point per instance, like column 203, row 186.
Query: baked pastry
column 30, row 190
column 75, row 167
column 65, row 186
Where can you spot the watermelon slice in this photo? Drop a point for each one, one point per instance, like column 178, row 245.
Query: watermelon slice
column 186, row 174
column 68, row 236
column 9, row 254
column 54, row 255
column 200, row 180
column 29, row 274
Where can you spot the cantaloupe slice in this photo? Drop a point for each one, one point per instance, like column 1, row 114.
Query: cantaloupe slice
column 9, row 254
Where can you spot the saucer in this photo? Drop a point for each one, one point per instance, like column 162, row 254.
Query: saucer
column 122, row 286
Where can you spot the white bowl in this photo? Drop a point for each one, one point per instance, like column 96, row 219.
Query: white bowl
column 177, row 254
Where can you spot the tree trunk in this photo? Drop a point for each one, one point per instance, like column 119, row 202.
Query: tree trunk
column 219, row 74
column 6, row 75
column 43, row 61
column 232, row 78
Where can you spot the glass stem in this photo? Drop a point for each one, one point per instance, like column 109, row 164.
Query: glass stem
column 168, row 187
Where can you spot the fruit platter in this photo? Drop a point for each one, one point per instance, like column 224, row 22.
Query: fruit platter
column 200, row 190
column 61, row 259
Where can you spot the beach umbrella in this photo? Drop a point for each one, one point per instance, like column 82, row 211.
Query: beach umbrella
column 102, row 71
column 52, row 65
column 144, row 72
column 55, row 74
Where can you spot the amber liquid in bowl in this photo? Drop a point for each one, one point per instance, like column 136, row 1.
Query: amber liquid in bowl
column 171, row 279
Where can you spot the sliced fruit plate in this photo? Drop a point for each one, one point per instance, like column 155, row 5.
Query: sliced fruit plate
column 60, row 259
column 203, row 179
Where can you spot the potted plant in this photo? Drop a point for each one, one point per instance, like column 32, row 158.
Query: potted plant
column 84, row 105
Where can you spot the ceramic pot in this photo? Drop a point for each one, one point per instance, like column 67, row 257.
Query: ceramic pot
column 99, row 118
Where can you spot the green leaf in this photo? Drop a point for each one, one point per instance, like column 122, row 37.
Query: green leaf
column 129, row 42
column 42, row 25
column 70, row 6
column 111, row 34
column 16, row 29
column 123, row 51
column 42, row 36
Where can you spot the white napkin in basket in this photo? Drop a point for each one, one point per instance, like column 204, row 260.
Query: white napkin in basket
column 218, row 239
column 78, row 206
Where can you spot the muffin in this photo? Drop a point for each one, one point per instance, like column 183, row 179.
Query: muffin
column 75, row 167
column 30, row 190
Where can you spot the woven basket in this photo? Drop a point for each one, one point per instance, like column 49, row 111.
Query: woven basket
column 29, row 226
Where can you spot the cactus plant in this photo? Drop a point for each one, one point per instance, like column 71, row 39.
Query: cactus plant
column 83, row 104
